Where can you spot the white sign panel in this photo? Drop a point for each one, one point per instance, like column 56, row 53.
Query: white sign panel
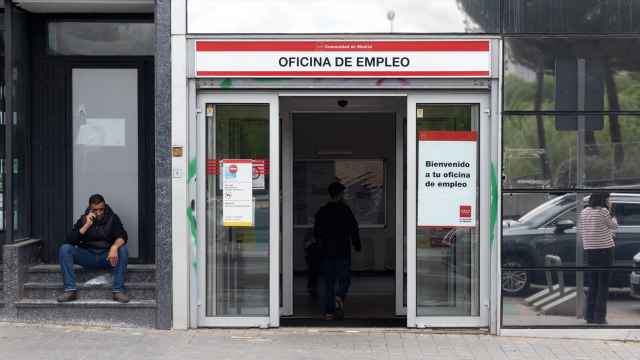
column 237, row 193
column 447, row 178
column 305, row 58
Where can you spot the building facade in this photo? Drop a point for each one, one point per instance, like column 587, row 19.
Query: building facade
column 468, row 134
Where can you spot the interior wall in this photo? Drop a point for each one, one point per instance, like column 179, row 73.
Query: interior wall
column 364, row 128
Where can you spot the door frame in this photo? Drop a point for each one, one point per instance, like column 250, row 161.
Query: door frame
column 484, row 152
column 273, row 319
column 287, row 196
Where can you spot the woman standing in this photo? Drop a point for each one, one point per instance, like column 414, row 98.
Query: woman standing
column 597, row 226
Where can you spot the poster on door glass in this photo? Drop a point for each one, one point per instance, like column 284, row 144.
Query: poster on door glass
column 237, row 193
column 447, row 178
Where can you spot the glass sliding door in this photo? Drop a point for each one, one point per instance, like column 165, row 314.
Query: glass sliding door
column 447, row 243
column 238, row 220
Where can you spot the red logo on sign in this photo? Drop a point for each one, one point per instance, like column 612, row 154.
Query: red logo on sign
column 465, row 211
column 233, row 169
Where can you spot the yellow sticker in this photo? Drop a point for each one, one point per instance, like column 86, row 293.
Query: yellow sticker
column 209, row 109
column 419, row 113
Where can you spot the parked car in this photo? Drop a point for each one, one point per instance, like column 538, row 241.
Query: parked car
column 634, row 279
column 549, row 229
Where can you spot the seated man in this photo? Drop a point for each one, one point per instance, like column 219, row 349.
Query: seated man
column 98, row 241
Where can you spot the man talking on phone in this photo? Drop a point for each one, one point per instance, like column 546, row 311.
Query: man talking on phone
column 97, row 241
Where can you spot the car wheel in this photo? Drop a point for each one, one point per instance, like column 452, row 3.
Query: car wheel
column 515, row 282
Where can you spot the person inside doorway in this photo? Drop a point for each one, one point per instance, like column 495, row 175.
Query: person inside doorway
column 597, row 226
column 336, row 230
column 97, row 241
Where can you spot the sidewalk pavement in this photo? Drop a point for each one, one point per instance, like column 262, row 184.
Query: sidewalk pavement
column 51, row 342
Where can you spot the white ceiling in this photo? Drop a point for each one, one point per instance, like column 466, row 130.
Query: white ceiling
column 87, row 6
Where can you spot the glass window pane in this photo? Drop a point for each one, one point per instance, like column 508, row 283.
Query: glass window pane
column 448, row 272
column 101, row 38
column 237, row 254
column 571, row 16
column 336, row 16
column 537, row 225
column 622, row 304
column 536, row 154
column 539, row 153
column 546, row 74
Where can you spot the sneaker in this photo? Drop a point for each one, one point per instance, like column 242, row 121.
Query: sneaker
column 121, row 297
column 68, row 296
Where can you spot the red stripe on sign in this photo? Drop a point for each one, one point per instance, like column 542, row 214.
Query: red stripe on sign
column 447, row 135
column 237, row 161
column 359, row 46
column 343, row 73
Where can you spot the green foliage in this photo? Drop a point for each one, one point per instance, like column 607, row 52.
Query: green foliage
column 523, row 155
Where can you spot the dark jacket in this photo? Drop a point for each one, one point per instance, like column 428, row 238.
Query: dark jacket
column 101, row 235
column 336, row 229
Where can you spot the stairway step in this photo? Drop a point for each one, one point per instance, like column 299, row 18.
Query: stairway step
column 137, row 291
column 139, row 313
column 51, row 273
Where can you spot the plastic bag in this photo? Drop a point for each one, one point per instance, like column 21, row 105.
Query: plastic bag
column 100, row 280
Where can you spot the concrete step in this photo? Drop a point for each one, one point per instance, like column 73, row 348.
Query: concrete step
column 48, row 291
column 139, row 313
column 50, row 273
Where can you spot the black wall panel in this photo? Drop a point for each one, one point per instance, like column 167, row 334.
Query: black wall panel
column 51, row 139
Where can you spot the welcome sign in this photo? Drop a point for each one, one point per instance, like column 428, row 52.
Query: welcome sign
column 399, row 59
column 447, row 178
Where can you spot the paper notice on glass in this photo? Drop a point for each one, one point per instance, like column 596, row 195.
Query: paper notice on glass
column 102, row 132
column 447, row 179
column 237, row 193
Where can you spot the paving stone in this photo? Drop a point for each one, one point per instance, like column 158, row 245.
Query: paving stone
column 20, row 341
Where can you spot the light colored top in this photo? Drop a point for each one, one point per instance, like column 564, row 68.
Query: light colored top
column 597, row 227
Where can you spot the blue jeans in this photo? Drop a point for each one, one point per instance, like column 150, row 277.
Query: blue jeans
column 92, row 259
column 337, row 279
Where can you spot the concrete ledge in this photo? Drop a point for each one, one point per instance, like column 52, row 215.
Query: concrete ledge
column 16, row 260
column 576, row 333
column 88, row 312
column 86, row 304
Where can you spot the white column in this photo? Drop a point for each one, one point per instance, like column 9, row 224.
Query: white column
column 180, row 170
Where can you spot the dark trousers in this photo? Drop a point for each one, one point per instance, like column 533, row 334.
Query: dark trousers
column 337, row 279
column 598, row 282
column 314, row 268
column 92, row 259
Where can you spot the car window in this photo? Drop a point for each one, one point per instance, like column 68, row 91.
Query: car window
column 547, row 210
column 627, row 214
column 567, row 215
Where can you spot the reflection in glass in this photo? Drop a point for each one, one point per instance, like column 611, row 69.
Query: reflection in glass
column 336, row 16
column 101, row 38
column 537, row 225
column 237, row 257
column 544, row 74
column 571, row 16
column 538, row 153
column 539, row 233
column 622, row 302
column 447, row 258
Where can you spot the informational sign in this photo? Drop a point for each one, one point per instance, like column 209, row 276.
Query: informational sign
column 237, row 193
column 447, row 178
column 307, row 58
column 259, row 172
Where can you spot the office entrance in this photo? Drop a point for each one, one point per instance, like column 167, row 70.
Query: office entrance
column 269, row 158
column 356, row 141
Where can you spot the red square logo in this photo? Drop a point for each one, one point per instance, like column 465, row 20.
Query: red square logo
column 465, row 211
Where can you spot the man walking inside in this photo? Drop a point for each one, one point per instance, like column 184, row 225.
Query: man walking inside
column 336, row 229
column 98, row 241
